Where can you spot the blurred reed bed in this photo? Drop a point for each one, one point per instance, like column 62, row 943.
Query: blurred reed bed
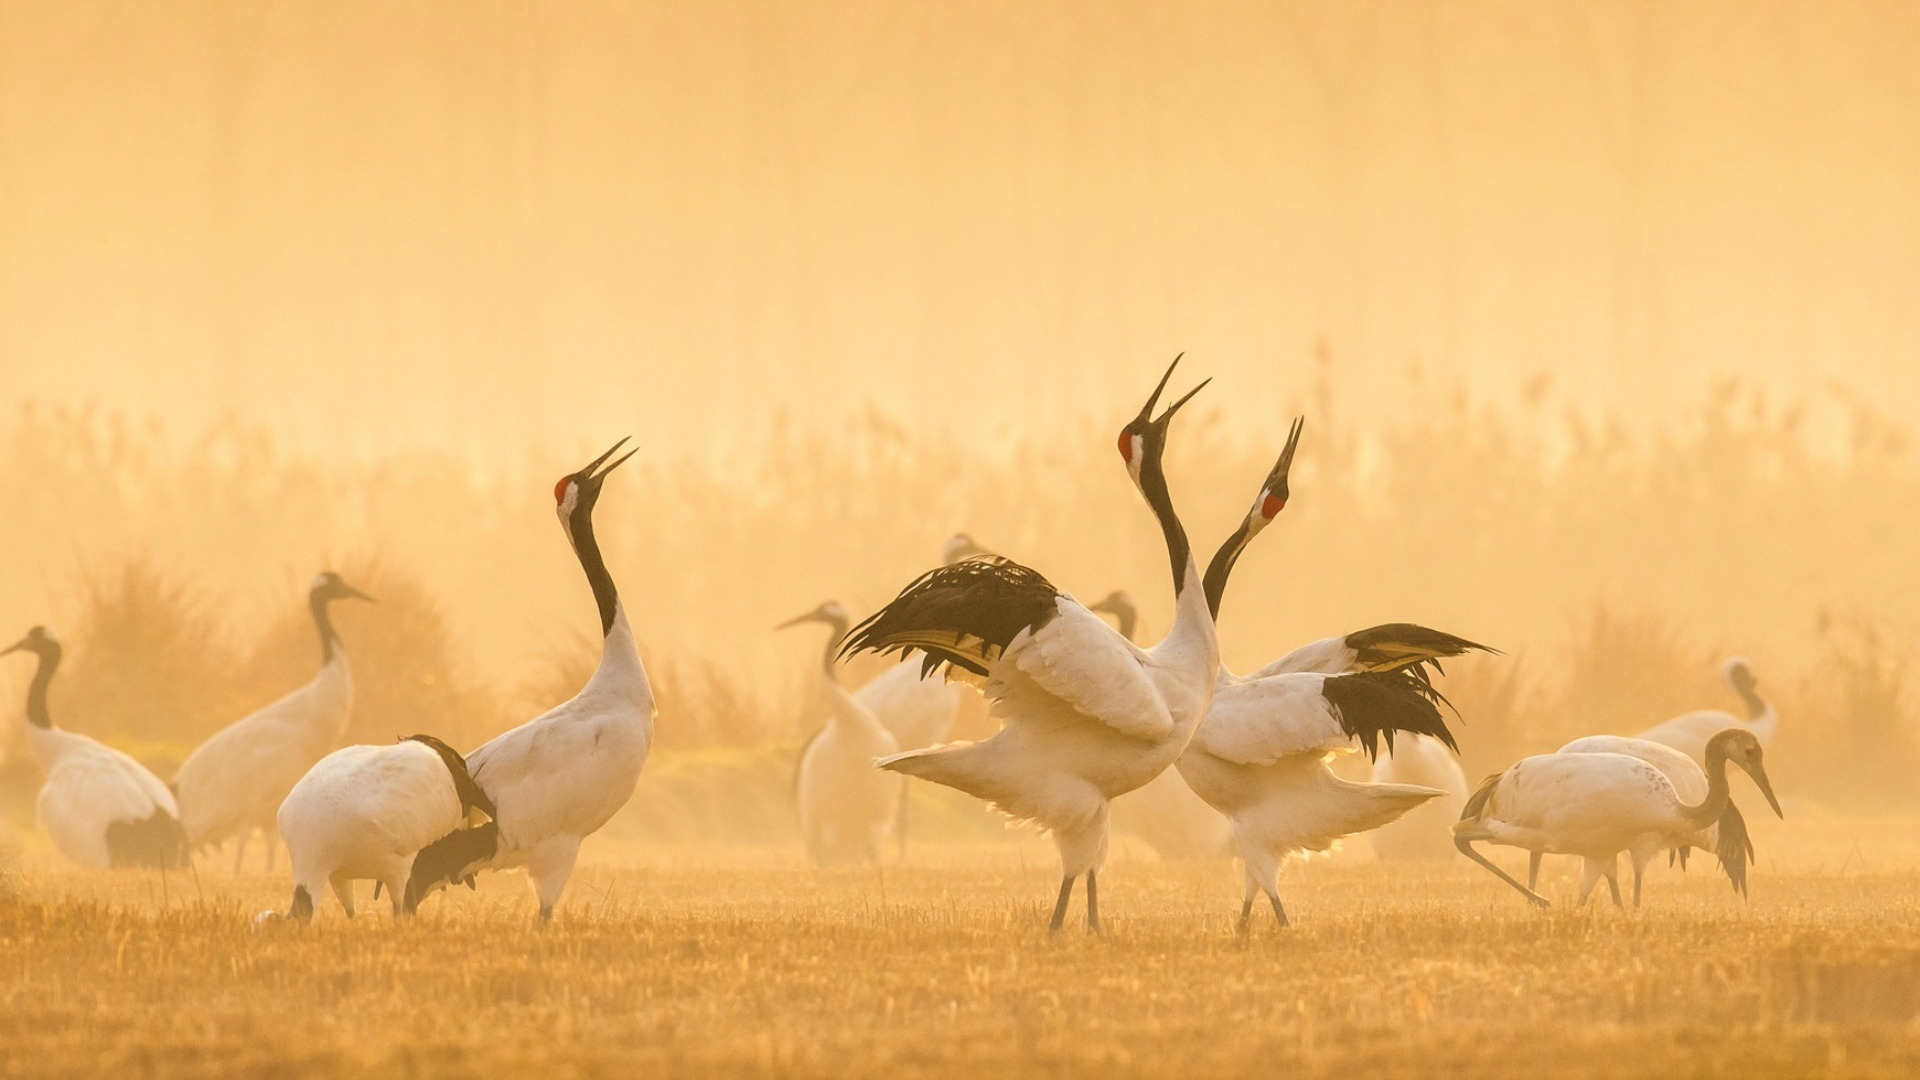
column 1614, row 569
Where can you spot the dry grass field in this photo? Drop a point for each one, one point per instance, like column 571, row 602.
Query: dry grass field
column 739, row 962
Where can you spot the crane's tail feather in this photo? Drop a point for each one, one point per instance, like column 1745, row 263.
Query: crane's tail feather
column 1372, row 705
column 1734, row 847
column 962, row 615
column 450, row 860
column 1476, row 804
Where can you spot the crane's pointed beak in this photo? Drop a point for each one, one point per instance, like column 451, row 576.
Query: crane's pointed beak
column 1759, row 774
column 811, row 616
column 348, row 590
column 1280, row 468
column 1146, row 411
column 17, row 646
column 1167, row 417
column 588, row 472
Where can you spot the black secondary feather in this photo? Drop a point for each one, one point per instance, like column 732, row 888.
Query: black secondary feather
column 156, row 841
column 965, row 614
column 1476, row 803
column 1734, row 847
column 450, row 860
column 1372, row 705
column 471, row 797
column 1391, row 646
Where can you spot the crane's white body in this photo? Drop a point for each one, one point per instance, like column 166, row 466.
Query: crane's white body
column 91, row 787
column 1087, row 716
column 1426, row 832
column 916, row 711
column 1260, row 758
column 236, row 781
column 559, row 777
column 1689, row 732
column 365, row 812
column 847, row 807
column 1172, row 820
column 1593, row 805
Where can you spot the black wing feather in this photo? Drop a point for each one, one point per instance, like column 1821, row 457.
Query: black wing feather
column 1393, row 646
column 965, row 614
column 1376, row 704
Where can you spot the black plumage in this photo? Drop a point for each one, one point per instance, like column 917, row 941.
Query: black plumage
column 1391, row 646
column 450, row 860
column 471, row 797
column 1371, row 705
column 1734, row 847
column 965, row 614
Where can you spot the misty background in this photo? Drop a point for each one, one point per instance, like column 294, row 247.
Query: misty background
column 1605, row 318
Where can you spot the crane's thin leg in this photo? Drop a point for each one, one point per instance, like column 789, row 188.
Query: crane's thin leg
column 1279, row 912
column 1533, row 869
column 1093, row 904
column 1636, row 885
column 1466, row 848
column 1246, row 902
column 1060, row 905
column 1613, row 886
column 240, row 850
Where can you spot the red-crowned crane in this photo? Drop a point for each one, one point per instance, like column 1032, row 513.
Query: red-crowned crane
column 103, row 809
column 1599, row 805
column 1086, row 714
column 846, row 805
column 559, row 777
column 1260, row 755
column 234, row 782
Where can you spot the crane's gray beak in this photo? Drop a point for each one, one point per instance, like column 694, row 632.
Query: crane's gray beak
column 1759, row 774
column 811, row 616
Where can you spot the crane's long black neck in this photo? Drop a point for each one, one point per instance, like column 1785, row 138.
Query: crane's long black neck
column 1125, row 618
column 1153, row 484
column 588, row 549
column 1708, row 810
column 319, row 603
column 1756, row 705
column 839, row 624
column 1215, row 583
column 37, row 714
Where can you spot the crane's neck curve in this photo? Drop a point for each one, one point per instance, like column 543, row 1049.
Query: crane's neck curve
column 1708, row 810
column 839, row 625
column 605, row 596
column 37, row 714
column 1221, row 567
column 1153, row 485
column 321, row 606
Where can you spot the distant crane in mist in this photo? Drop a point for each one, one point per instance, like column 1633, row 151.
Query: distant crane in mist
column 1689, row 732
column 559, row 777
column 1087, row 715
column 846, row 805
column 1726, row 838
column 918, row 709
column 1426, row 832
column 233, row 783
column 103, row 809
column 1260, row 755
column 1597, row 805
column 366, row 811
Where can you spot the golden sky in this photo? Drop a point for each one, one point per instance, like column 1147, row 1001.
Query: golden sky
column 483, row 225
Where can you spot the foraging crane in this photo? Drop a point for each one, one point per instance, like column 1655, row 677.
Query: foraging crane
column 1599, row 805
column 560, row 776
column 1726, row 838
column 1087, row 715
column 366, row 811
column 846, row 805
column 233, row 783
column 1260, row 754
column 103, row 809
column 1164, row 812
column 1688, row 733
column 1426, row 831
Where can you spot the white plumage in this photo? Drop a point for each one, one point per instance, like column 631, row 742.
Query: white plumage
column 1086, row 715
column 846, row 806
column 1689, row 732
column 233, row 783
column 559, row 777
column 1597, row 805
column 1426, row 832
column 365, row 811
column 101, row 808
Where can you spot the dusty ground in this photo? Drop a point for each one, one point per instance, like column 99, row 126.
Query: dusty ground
column 743, row 963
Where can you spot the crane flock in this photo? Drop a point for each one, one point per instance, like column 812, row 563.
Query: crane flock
column 1204, row 759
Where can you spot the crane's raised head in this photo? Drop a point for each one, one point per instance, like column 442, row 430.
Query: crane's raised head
column 576, row 492
column 1273, row 492
column 1738, row 674
column 1119, row 605
column 1738, row 746
column 960, row 546
column 38, row 640
column 328, row 586
column 829, row 612
column 1144, row 438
